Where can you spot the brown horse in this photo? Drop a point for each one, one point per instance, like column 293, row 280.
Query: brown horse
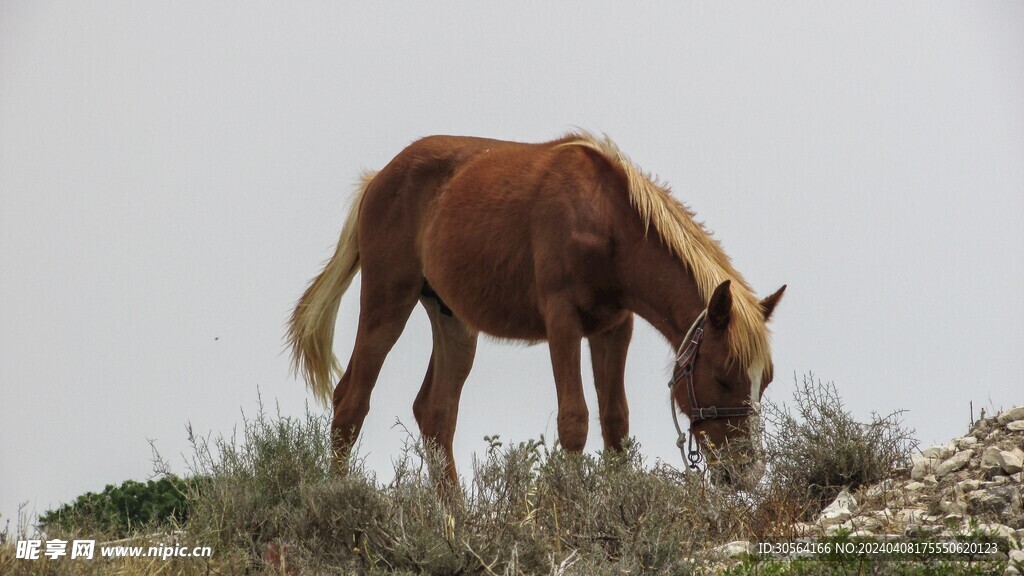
column 557, row 241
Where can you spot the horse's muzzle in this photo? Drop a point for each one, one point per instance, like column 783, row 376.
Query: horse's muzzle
column 741, row 475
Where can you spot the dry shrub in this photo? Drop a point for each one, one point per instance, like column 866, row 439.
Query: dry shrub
column 528, row 509
column 269, row 503
column 815, row 448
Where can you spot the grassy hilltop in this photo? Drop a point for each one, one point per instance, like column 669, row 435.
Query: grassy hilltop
column 269, row 504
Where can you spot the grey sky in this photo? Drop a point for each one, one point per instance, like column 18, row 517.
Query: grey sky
column 173, row 173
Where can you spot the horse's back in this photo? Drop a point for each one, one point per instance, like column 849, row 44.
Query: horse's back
column 504, row 224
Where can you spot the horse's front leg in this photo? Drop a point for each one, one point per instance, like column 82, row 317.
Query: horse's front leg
column 564, row 337
column 608, row 356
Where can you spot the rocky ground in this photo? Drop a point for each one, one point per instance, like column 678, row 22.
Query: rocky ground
column 972, row 485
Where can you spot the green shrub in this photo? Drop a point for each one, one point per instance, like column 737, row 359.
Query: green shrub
column 117, row 511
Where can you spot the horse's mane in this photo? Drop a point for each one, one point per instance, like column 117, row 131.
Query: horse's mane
column 693, row 244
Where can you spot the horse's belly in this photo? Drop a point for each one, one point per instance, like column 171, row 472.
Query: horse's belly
column 484, row 272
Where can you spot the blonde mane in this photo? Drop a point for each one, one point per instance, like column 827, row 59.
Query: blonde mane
column 687, row 239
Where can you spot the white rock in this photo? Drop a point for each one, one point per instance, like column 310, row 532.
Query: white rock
column 966, row 442
column 996, row 530
column 1010, row 462
column 885, row 516
column 914, row 486
column 939, row 451
column 910, row 515
column 958, row 461
column 844, row 501
column 923, row 468
column 950, row 507
column 834, row 517
column 1011, row 415
column 869, row 523
column 833, row 529
column 969, row 485
column 805, row 529
column 1017, row 556
column 929, row 480
column 1015, row 426
column 990, row 461
column 880, row 488
column 732, row 549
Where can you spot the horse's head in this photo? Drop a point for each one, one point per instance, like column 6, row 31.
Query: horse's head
column 720, row 394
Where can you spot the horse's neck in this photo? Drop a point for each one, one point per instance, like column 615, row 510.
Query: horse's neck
column 661, row 290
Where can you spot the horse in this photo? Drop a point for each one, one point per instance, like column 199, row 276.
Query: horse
column 556, row 242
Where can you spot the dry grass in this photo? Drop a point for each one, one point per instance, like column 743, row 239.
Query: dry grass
column 270, row 503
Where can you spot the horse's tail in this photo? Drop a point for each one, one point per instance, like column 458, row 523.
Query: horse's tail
column 311, row 328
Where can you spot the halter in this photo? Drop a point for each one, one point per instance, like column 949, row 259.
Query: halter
column 686, row 359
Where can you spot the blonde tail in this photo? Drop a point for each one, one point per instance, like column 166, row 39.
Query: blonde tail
column 311, row 328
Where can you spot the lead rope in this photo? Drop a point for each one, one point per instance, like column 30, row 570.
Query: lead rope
column 688, row 447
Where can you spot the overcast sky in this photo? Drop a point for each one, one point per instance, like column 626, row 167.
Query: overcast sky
column 173, row 173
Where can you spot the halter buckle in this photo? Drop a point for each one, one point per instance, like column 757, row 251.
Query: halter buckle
column 709, row 413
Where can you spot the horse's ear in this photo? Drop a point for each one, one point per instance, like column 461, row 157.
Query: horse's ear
column 768, row 304
column 720, row 306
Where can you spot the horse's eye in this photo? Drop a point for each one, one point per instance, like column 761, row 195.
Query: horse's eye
column 723, row 384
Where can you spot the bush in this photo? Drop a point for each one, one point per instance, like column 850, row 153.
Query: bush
column 269, row 502
column 816, row 448
column 119, row 511
column 528, row 509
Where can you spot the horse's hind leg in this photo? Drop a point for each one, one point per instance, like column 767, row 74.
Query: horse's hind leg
column 608, row 356
column 437, row 404
column 387, row 300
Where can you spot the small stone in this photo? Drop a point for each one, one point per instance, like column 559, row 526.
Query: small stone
column 939, row 451
column 868, row 523
column 949, row 507
column 880, row 488
column 995, row 530
column 929, row 480
column 1017, row 556
column 914, row 486
column 969, row 485
column 1011, row 415
column 733, row 549
column 966, row 442
column 1009, row 462
column 998, row 500
column 884, row 516
column 958, row 461
column 1016, row 426
column 923, row 468
column 920, row 530
column 990, row 461
column 833, row 529
column 910, row 516
column 834, row 517
column 844, row 502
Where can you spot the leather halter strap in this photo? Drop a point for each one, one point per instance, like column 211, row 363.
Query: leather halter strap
column 686, row 359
